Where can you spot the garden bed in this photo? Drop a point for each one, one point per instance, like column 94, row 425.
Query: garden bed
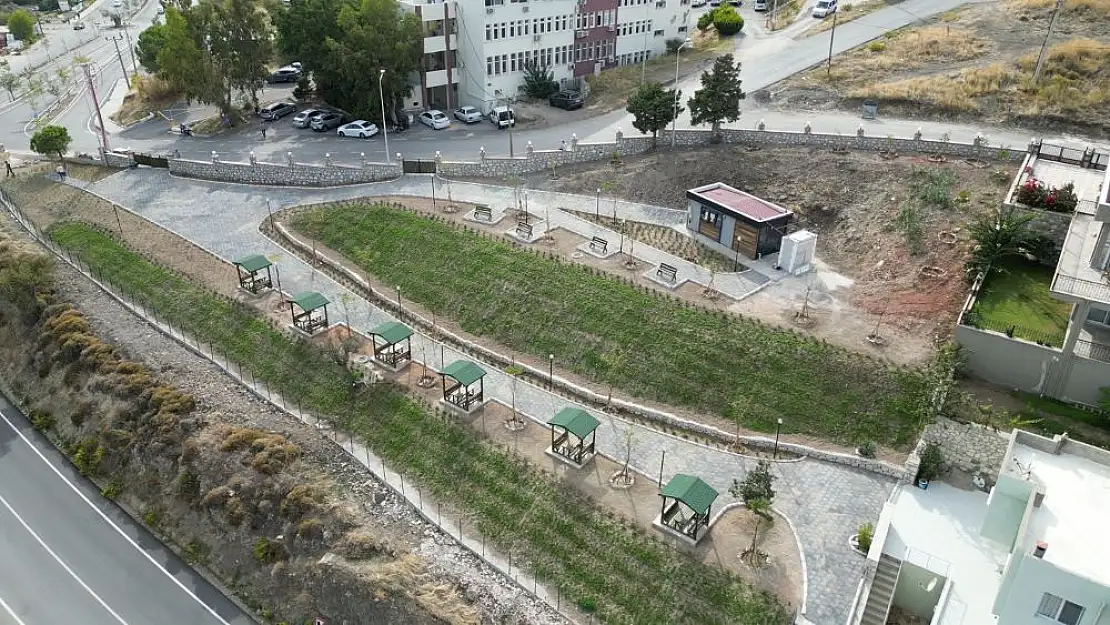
column 612, row 332
column 1016, row 301
column 602, row 565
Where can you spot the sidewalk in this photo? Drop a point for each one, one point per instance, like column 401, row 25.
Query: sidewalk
column 824, row 502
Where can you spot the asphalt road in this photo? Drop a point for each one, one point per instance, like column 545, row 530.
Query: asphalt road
column 767, row 58
column 67, row 555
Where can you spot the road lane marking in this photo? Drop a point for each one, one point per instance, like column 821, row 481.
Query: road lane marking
column 10, row 611
column 111, row 523
column 57, row 559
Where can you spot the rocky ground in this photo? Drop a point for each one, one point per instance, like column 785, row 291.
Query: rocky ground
column 425, row 572
column 974, row 64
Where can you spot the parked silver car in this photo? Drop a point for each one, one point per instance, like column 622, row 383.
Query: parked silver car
column 304, row 118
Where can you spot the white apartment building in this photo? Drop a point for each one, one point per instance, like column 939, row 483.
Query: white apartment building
column 476, row 51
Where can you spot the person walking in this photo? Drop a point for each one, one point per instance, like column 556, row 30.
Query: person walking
column 8, row 165
column 263, row 130
column 61, row 173
column 7, row 160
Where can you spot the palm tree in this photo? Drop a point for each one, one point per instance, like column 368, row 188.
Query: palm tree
column 1006, row 235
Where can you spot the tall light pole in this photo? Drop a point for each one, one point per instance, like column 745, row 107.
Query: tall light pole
column 130, row 48
column 778, row 430
column 677, row 60
column 385, row 131
column 643, row 60
column 597, row 205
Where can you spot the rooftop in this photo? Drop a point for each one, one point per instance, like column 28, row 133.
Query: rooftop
column 464, row 372
column 691, row 491
column 736, row 201
column 253, row 262
column 1075, row 276
column 938, row 529
column 1087, row 181
column 1072, row 517
column 309, row 301
column 576, row 421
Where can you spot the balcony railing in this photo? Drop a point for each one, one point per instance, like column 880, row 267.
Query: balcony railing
column 1092, row 350
column 1084, row 289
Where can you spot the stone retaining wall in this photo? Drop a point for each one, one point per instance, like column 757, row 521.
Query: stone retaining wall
column 969, row 447
column 292, row 174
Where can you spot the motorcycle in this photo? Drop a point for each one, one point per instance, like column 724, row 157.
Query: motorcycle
column 185, row 130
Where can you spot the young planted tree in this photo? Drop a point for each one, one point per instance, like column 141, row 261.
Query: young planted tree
column 718, row 100
column 150, row 43
column 611, row 363
column 757, row 492
column 624, row 477
column 653, row 107
column 10, row 82
column 51, row 141
column 514, row 371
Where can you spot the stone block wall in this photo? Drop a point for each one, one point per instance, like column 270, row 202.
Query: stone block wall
column 536, row 160
column 293, row 174
column 117, row 160
column 969, row 447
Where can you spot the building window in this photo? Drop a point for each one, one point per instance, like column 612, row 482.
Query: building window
column 489, row 66
column 681, row 29
column 659, row 33
column 710, row 223
column 1099, row 315
column 1060, row 610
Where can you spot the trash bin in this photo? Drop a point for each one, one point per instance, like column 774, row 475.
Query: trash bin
column 869, row 109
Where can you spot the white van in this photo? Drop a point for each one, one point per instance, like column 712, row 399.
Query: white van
column 760, row 5
column 503, row 117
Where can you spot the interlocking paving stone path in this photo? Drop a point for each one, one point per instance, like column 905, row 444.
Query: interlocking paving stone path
column 825, row 501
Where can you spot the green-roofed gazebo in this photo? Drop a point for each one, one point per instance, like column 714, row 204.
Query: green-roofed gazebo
column 687, row 504
column 313, row 313
column 570, row 429
column 250, row 270
column 392, row 344
column 459, row 380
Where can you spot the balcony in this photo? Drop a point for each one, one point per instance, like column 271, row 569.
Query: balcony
column 439, row 43
column 1079, row 275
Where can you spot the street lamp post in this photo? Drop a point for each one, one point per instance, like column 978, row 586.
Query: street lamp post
column 778, row 430
column 597, row 205
column 677, row 59
column 381, row 97
column 551, row 370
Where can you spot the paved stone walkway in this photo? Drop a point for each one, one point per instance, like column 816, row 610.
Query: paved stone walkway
column 825, row 502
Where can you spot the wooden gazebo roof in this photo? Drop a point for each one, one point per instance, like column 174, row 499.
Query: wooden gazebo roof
column 253, row 263
column 392, row 332
column 576, row 421
column 309, row 301
column 464, row 372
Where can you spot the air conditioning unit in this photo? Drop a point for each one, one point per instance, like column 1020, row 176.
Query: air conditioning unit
column 524, row 9
column 537, row 38
column 489, row 10
column 580, row 34
column 661, row 4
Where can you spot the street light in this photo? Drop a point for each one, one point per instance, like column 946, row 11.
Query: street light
column 778, row 430
column 551, row 370
column 677, row 59
column 597, row 205
column 381, row 97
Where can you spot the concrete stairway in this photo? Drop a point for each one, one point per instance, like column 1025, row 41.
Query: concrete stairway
column 879, row 598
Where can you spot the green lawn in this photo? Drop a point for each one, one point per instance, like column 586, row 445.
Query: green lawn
column 1050, row 417
column 1016, row 295
column 652, row 347
column 560, row 536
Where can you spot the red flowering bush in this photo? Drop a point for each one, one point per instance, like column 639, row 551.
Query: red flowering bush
column 1034, row 193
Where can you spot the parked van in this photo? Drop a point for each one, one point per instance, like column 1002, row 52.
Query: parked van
column 760, row 5
column 502, row 117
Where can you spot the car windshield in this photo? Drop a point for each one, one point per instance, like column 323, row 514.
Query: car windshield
column 822, row 5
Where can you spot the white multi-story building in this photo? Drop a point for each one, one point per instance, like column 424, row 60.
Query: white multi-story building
column 476, row 51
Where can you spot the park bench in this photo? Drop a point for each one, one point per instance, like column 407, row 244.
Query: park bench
column 598, row 245
column 524, row 230
column 667, row 273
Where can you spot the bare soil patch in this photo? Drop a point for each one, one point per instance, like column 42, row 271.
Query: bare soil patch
column 976, row 64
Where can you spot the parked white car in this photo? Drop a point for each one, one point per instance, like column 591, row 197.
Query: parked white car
column 435, row 119
column 304, row 118
column 699, row 3
column 824, row 8
column 359, row 128
column 468, row 114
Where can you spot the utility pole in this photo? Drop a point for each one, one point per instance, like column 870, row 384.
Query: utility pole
column 96, row 105
column 131, row 48
column 832, row 35
column 1044, row 46
column 774, row 15
column 116, row 39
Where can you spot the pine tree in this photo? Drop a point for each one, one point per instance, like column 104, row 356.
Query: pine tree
column 718, row 100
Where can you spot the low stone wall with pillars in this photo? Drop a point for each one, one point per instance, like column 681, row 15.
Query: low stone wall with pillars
column 289, row 174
